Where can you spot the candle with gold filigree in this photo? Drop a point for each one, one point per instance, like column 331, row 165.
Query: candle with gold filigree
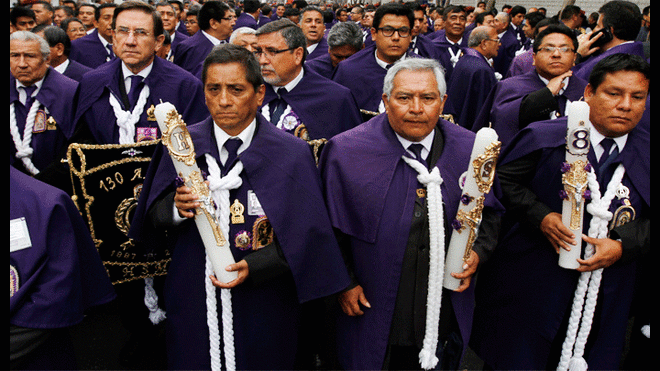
column 574, row 178
column 177, row 140
column 478, row 181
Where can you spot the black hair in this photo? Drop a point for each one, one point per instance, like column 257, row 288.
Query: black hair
column 616, row 63
column 395, row 9
column 555, row 28
column 231, row 53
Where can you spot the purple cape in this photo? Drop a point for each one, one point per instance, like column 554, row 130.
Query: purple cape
column 192, row 51
column 281, row 171
column 57, row 94
column 472, row 79
column 89, row 51
column 521, row 64
column 370, row 193
column 246, row 20
column 583, row 70
column 76, row 70
column 321, row 65
column 325, row 107
column 364, row 77
column 320, row 50
column 61, row 274
column 507, row 51
column 518, row 315
column 442, row 46
column 502, row 107
column 167, row 83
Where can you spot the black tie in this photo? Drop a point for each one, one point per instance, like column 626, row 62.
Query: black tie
column 231, row 145
column 278, row 106
column 29, row 90
column 606, row 158
column 136, row 87
column 416, row 148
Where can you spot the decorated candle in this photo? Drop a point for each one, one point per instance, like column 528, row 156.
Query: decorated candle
column 177, row 140
column 477, row 181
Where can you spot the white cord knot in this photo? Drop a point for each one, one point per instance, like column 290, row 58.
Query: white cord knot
column 427, row 359
column 578, row 364
column 24, row 152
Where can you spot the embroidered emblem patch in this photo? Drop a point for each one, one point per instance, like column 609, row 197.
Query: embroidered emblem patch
column 262, row 233
column 243, row 240
column 13, row 280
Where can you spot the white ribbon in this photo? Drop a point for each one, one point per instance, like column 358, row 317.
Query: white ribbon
column 220, row 187
column 432, row 180
column 23, row 146
column 586, row 293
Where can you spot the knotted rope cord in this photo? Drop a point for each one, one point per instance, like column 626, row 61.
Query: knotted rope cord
column 586, row 293
column 432, row 180
column 126, row 120
column 220, row 187
column 23, row 146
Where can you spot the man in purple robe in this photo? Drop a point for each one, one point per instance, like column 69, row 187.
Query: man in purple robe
column 524, row 298
column 523, row 62
column 114, row 100
column 473, row 77
column 168, row 14
column 95, row 48
column 538, row 95
column 281, row 239
column 365, row 70
column 250, row 15
column 510, row 43
column 421, row 44
column 311, row 23
column 378, row 207
column 298, row 100
column 618, row 23
column 40, row 110
column 216, row 23
column 344, row 40
column 55, row 274
column 451, row 40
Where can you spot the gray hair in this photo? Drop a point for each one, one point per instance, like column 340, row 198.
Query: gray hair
column 415, row 64
column 28, row 36
column 291, row 32
column 478, row 35
column 241, row 30
column 346, row 33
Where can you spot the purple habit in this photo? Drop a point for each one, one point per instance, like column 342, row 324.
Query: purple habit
column 56, row 95
column 502, row 107
column 472, row 79
column 167, row 83
column 320, row 50
column 524, row 297
column 584, row 68
column 521, row 64
column 281, row 171
column 321, row 65
column 364, row 77
column 507, row 51
column 89, row 50
column 371, row 192
column 59, row 274
column 191, row 52
column 322, row 105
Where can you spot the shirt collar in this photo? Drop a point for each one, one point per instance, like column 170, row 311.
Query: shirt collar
column 212, row 39
column 384, row 64
column 144, row 73
column 427, row 142
column 246, row 136
column 596, row 137
column 293, row 83
column 564, row 81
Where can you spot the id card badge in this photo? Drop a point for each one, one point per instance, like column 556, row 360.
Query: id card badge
column 19, row 236
column 254, row 206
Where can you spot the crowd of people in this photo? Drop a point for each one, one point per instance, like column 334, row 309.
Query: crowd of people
column 336, row 142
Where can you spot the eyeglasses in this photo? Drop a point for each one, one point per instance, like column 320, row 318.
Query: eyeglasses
column 230, row 18
column 138, row 33
column 269, row 52
column 552, row 49
column 498, row 40
column 388, row 31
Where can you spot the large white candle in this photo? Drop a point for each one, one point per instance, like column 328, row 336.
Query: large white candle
column 177, row 140
column 478, row 181
column 574, row 179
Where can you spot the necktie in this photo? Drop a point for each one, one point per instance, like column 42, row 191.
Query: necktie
column 136, row 87
column 606, row 158
column 29, row 90
column 111, row 54
column 231, row 145
column 416, row 148
column 277, row 106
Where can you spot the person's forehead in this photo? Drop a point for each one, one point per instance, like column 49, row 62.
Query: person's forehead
column 556, row 39
column 311, row 14
column 393, row 19
column 415, row 80
column 28, row 46
column 273, row 38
